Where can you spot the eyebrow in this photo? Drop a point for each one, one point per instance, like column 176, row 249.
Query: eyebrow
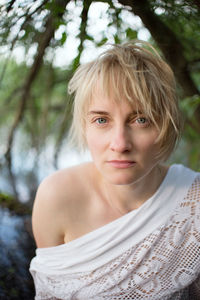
column 101, row 112
column 98, row 112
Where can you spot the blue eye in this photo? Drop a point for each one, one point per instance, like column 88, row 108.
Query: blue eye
column 100, row 121
column 141, row 120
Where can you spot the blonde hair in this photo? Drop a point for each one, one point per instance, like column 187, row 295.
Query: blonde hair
column 132, row 72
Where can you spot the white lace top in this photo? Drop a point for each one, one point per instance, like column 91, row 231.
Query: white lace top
column 152, row 252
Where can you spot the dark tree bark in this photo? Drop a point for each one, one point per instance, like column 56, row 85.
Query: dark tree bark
column 10, row 5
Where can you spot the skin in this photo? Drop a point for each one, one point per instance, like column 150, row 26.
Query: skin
column 123, row 147
column 123, row 175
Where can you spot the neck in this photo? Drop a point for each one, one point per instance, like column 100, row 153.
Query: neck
column 125, row 198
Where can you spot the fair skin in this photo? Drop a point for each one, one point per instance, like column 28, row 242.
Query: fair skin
column 123, row 175
column 123, row 147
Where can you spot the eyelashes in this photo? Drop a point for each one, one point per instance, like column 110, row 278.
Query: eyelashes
column 143, row 121
column 100, row 121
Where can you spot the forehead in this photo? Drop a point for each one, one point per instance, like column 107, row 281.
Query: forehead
column 102, row 102
column 107, row 100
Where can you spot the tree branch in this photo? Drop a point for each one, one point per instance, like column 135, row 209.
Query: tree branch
column 43, row 44
column 10, row 5
column 28, row 17
column 82, row 35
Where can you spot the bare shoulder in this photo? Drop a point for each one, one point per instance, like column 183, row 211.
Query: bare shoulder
column 63, row 182
column 58, row 197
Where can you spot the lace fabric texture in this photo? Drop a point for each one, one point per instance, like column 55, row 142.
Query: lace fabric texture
column 164, row 265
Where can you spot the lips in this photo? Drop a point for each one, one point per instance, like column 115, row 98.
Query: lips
column 121, row 164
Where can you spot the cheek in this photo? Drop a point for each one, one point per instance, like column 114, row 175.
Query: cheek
column 146, row 142
column 94, row 141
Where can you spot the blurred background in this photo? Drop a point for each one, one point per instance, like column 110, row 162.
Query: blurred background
column 41, row 44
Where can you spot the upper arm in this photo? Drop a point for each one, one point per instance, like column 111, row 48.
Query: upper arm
column 47, row 216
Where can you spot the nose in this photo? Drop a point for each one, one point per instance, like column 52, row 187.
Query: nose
column 120, row 140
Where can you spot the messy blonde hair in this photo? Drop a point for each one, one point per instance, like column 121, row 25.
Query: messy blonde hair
column 132, row 72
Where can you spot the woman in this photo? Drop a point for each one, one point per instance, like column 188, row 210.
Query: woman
column 123, row 226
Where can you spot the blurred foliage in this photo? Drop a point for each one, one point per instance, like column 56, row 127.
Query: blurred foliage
column 191, row 135
column 33, row 85
column 183, row 18
column 15, row 207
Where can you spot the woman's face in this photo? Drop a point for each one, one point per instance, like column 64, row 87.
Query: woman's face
column 121, row 142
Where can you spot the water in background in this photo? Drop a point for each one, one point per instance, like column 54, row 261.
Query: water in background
column 16, row 249
column 30, row 169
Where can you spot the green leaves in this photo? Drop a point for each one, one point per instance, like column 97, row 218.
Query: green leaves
column 63, row 38
column 191, row 135
column 102, row 42
column 131, row 34
column 189, row 106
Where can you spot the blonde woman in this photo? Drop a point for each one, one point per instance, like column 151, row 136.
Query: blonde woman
column 124, row 226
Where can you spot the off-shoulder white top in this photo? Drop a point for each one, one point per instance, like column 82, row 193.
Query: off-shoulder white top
column 152, row 252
